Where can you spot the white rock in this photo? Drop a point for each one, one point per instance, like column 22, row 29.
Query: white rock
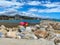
column 2, row 26
column 28, row 29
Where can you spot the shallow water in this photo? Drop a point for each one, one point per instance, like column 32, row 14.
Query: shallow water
column 17, row 21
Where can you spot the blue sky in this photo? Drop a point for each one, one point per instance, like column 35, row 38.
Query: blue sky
column 32, row 8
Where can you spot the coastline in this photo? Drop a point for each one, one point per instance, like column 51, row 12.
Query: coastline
column 46, row 26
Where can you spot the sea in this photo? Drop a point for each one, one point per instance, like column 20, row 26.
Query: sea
column 29, row 21
column 17, row 21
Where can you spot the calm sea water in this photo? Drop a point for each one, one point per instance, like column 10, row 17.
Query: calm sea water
column 29, row 21
column 17, row 21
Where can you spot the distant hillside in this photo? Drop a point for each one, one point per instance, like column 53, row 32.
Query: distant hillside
column 20, row 16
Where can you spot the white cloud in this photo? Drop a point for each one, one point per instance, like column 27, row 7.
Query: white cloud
column 51, row 7
column 29, row 14
column 54, row 7
column 9, row 3
column 56, row 4
column 49, row 10
column 34, row 3
column 14, row 5
column 10, row 11
column 3, row 12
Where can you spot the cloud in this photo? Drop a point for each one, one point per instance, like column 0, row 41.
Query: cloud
column 55, row 4
column 9, row 12
column 49, row 10
column 29, row 14
column 34, row 3
column 9, row 4
column 51, row 7
column 10, row 7
column 3, row 12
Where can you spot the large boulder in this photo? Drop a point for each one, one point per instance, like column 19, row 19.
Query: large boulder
column 27, row 35
column 41, row 33
column 57, row 41
column 11, row 34
column 2, row 26
column 3, row 29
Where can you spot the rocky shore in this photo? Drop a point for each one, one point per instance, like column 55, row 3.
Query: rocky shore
column 45, row 33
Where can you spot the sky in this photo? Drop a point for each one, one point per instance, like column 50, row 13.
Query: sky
column 31, row 8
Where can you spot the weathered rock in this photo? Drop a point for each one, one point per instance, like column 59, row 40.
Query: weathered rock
column 28, row 35
column 49, row 28
column 11, row 34
column 21, row 28
column 37, row 25
column 57, row 41
column 3, row 31
column 51, row 36
column 40, row 33
column 2, row 26
column 28, row 29
column 55, row 25
column 43, row 25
